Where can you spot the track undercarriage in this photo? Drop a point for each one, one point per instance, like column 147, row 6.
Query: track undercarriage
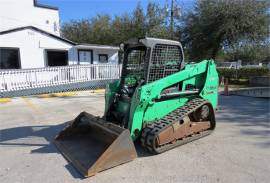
column 185, row 124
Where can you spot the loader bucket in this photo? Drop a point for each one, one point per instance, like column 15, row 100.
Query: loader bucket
column 92, row 145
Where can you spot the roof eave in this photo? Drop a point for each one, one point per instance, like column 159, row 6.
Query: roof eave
column 85, row 46
column 38, row 5
column 38, row 30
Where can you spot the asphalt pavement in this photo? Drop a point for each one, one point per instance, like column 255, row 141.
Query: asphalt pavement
column 238, row 150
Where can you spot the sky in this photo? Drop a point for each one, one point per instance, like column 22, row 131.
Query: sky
column 78, row 9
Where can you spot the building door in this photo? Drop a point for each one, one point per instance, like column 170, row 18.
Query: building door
column 85, row 56
column 57, row 58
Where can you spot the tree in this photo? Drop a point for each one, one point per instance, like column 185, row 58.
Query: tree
column 138, row 22
column 216, row 25
column 155, row 21
column 250, row 53
column 79, row 31
column 102, row 29
column 95, row 30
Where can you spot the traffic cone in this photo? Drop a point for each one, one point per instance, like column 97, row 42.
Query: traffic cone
column 226, row 87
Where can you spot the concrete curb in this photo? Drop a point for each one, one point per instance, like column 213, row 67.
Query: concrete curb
column 259, row 92
column 71, row 94
column 98, row 91
column 62, row 94
column 5, row 100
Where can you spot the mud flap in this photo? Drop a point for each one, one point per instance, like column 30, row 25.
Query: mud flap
column 92, row 145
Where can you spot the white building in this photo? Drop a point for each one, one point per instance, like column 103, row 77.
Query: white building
column 30, row 38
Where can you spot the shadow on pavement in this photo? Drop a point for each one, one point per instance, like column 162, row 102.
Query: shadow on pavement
column 42, row 137
column 246, row 112
column 36, row 136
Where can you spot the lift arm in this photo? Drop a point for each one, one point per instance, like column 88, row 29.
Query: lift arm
column 144, row 107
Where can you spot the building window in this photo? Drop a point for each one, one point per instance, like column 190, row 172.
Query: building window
column 57, row 58
column 103, row 58
column 10, row 58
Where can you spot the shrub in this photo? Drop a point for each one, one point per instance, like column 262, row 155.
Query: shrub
column 227, row 72
column 243, row 73
column 251, row 72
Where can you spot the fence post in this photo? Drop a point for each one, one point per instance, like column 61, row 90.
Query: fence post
column 97, row 72
column 5, row 83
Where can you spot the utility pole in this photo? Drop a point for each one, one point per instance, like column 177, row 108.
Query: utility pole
column 172, row 13
column 172, row 19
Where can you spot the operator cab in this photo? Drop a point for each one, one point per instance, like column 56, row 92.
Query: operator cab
column 144, row 61
column 147, row 60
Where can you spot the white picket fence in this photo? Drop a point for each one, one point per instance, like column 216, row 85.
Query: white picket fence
column 19, row 79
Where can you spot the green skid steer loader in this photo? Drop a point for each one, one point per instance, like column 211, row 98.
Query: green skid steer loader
column 158, row 101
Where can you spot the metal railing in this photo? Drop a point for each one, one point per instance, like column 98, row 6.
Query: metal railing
column 21, row 79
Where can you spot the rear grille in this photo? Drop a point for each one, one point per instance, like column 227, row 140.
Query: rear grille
column 165, row 61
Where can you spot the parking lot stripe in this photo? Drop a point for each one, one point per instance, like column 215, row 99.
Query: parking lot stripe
column 32, row 106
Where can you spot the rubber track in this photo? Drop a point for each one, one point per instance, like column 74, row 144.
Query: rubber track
column 151, row 131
